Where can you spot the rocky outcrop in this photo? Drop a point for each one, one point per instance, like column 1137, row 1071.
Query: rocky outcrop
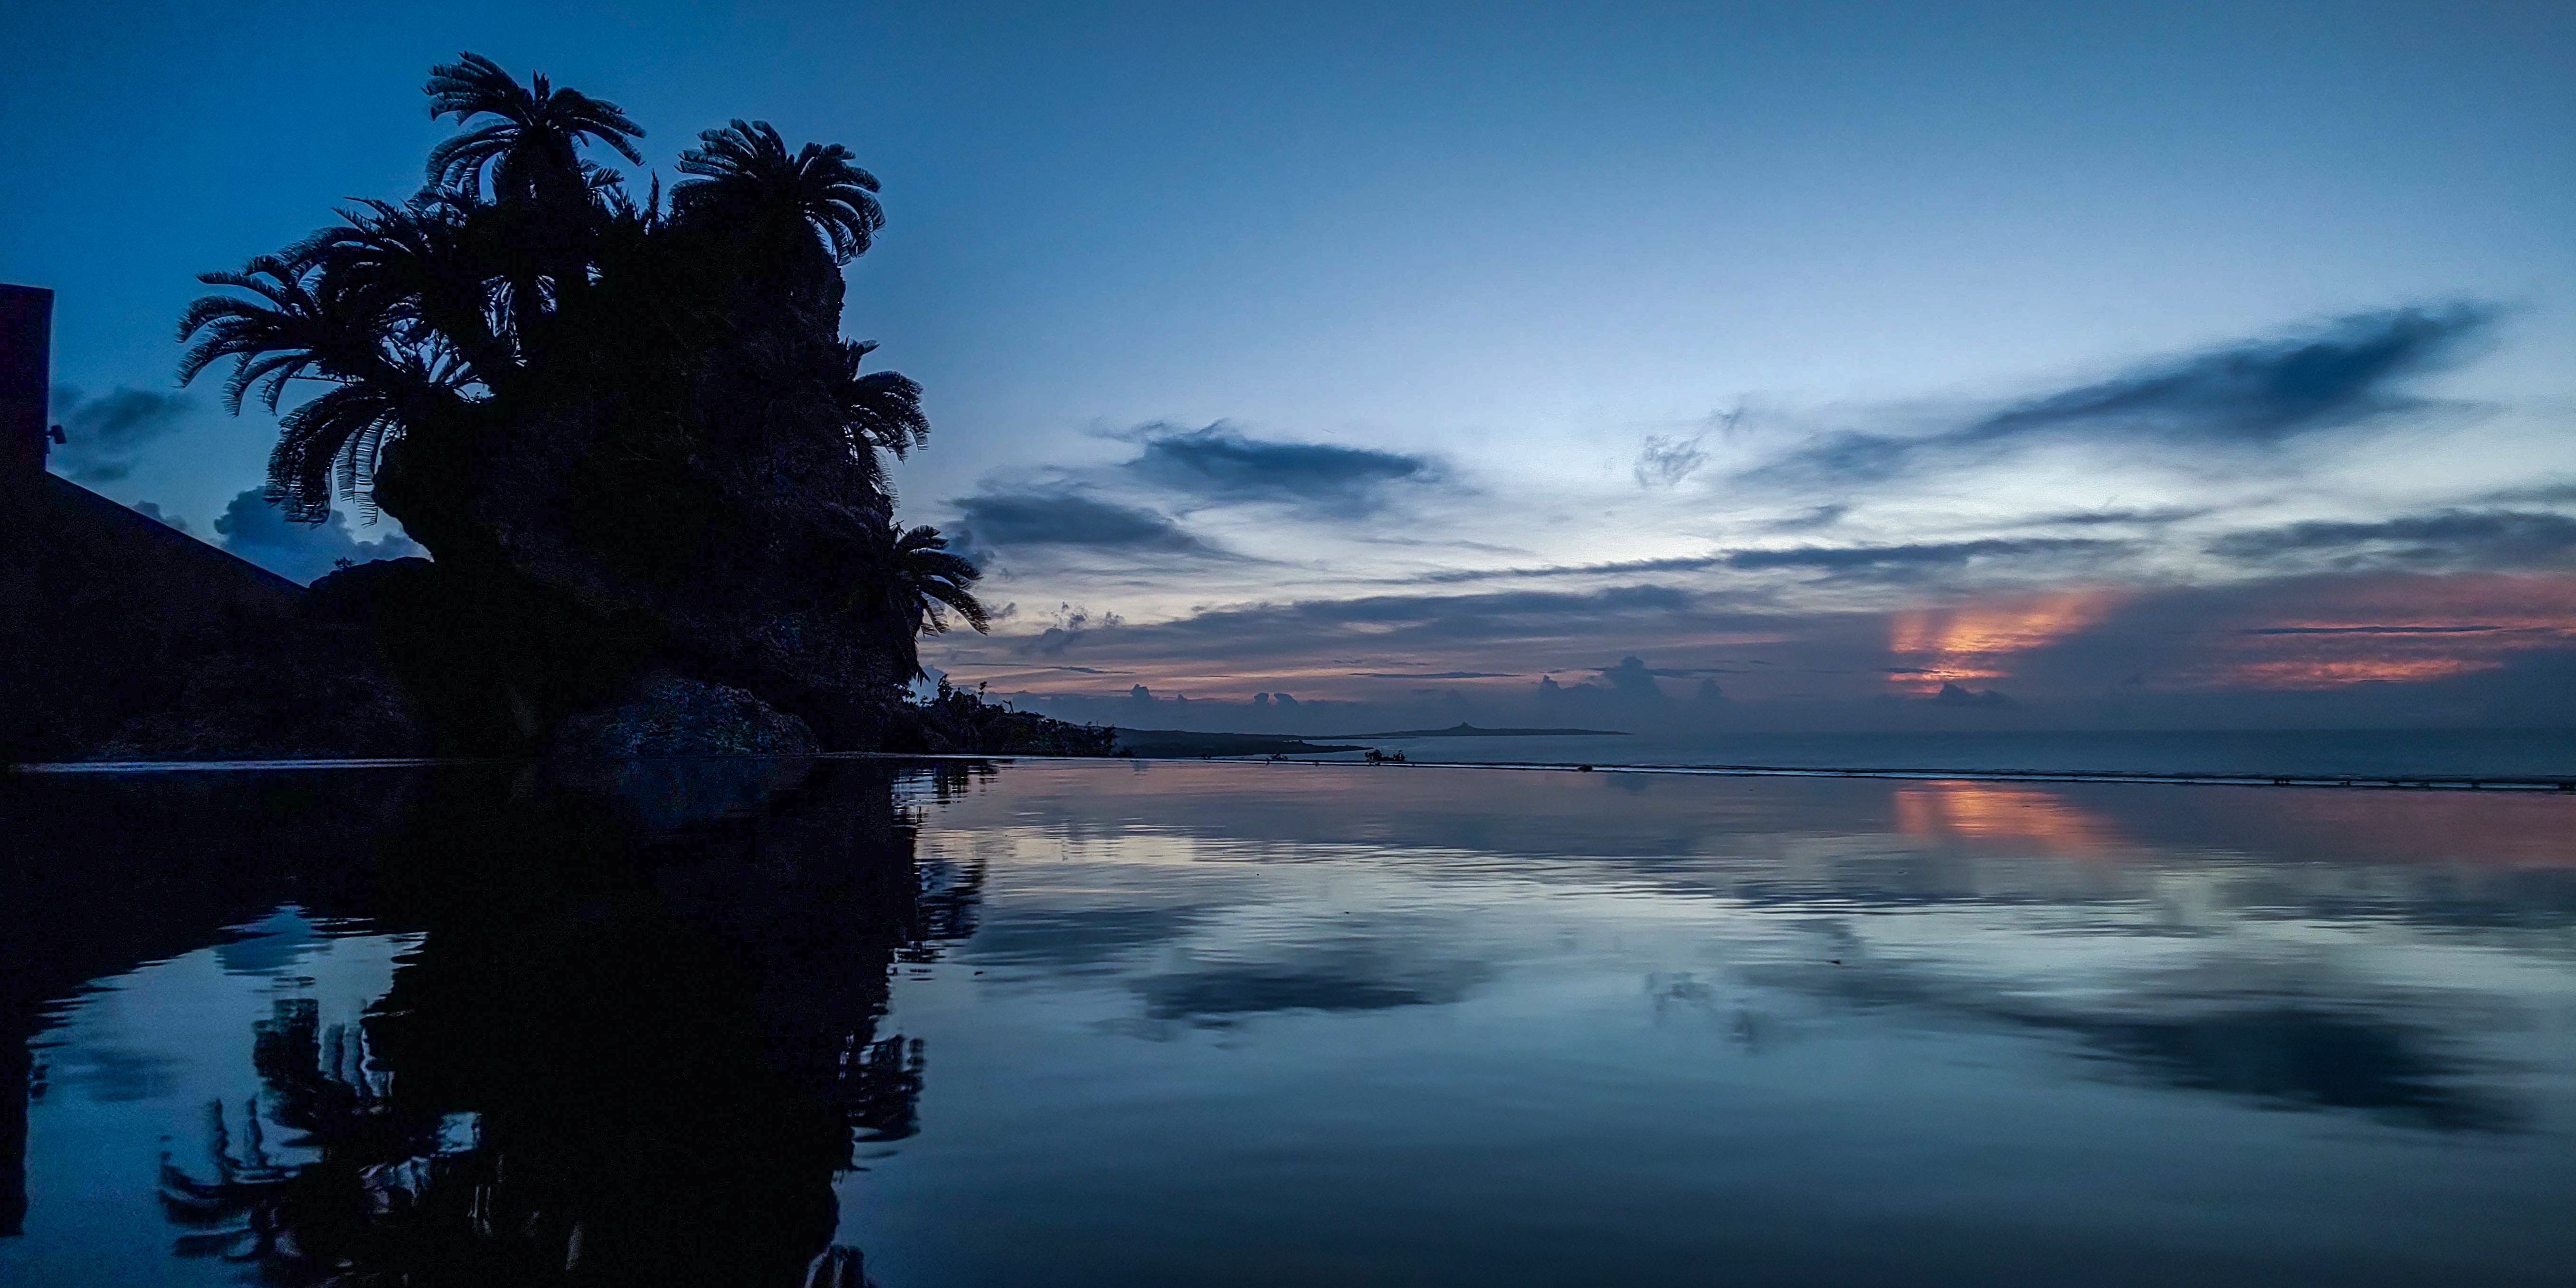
column 683, row 717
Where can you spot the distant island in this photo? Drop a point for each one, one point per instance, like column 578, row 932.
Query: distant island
column 1183, row 742
column 1464, row 730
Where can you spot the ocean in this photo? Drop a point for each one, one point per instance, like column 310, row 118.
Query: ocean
column 2337, row 753
column 1143, row 1023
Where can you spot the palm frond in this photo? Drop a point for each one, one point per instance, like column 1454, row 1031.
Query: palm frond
column 879, row 409
column 745, row 172
column 533, row 151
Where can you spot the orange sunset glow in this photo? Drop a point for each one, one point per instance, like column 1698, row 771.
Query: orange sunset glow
column 2402, row 631
column 1973, row 642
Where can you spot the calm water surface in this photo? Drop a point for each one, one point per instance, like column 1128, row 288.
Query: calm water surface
column 1101, row 1023
column 2379, row 753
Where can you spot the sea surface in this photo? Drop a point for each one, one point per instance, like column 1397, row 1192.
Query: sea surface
column 1106, row 1023
column 2312, row 753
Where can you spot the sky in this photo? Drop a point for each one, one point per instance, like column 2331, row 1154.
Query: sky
column 1764, row 365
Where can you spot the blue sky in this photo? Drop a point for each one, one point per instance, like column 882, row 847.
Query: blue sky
column 2055, row 350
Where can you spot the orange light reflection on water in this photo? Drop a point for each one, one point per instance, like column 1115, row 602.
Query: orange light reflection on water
column 1991, row 812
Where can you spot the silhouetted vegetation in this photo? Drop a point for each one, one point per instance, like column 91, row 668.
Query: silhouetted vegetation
column 626, row 427
column 955, row 720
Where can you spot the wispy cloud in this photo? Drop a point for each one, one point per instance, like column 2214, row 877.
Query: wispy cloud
column 1837, row 561
column 996, row 520
column 1822, row 516
column 1918, row 555
column 104, row 436
column 1220, row 463
column 2449, row 540
column 1665, row 462
column 2156, row 517
column 2253, row 393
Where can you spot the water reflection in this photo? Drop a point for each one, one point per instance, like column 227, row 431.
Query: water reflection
column 632, row 1033
column 1515, row 1028
column 1110, row 1024
column 2026, row 818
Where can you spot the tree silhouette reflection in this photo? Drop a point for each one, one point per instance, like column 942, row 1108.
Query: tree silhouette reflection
column 620, row 1053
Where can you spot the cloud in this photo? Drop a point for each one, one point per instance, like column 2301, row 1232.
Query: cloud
column 1434, row 675
column 1389, row 627
column 1841, row 560
column 2537, row 494
column 1835, row 561
column 2376, row 630
column 152, row 510
column 1683, row 563
column 1822, row 516
column 994, row 520
column 1218, row 463
column 1071, row 626
column 2267, row 389
column 1956, row 695
column 2253, row 393
column 2157, row 517
column 255, row 530
column 1631, row 679
column 103, row 436
column 2450, row 539
column 1665, row 462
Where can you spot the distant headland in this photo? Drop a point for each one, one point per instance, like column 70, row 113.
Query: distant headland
column 1464, row 730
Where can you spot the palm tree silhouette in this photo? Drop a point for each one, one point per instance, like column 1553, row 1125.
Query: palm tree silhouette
column 926, row 577
column 746, row 175
column 916, row 585
column 533, row 152
column 300, row 326
column 547, row 381
column 428, row 269
column 882, row 409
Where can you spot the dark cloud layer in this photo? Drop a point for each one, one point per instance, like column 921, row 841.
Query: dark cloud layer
column 2266, row 389
column 103, row 436
column 996, row 520
column 2451, row 539
column 1916, row 555
column 2254, row 393
column 1891, row 561
column 1219, row 464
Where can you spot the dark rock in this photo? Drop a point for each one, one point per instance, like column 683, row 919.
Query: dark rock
column 492, row 661
column 682, row 717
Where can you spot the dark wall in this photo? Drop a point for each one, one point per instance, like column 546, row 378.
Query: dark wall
column 122, row 638
column 26, row 362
